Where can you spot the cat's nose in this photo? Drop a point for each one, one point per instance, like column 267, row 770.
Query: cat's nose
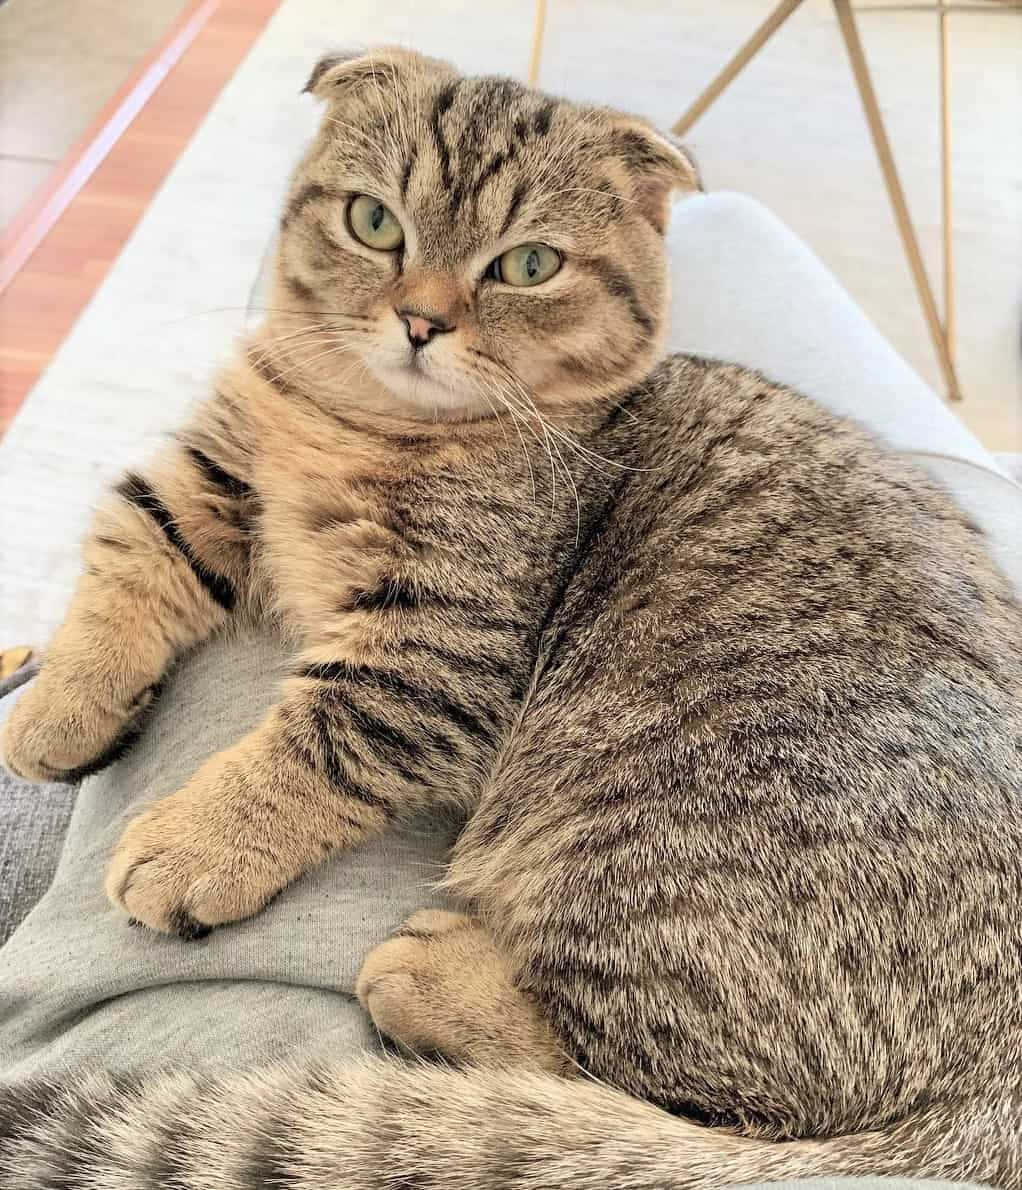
column 421, row 327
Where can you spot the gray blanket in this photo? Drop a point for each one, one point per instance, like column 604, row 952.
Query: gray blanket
column 78, row 984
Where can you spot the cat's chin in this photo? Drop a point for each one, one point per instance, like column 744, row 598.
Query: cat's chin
column 430, row 398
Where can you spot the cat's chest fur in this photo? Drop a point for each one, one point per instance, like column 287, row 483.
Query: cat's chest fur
column 351, row 523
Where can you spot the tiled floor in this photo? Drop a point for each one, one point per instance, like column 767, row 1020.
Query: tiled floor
column 789, row 131
column 60, row 63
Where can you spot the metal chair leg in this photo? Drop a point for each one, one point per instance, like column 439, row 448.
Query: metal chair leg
column 748, row 51
column 945, row 178
column 850, row 33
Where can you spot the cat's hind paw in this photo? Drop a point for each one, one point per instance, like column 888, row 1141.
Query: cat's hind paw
column 439, row 985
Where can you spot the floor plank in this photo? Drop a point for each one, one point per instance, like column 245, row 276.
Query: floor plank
column 41, row 302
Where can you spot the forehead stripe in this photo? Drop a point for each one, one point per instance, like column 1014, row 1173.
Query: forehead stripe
column 516, row 201
column 406, row 173
column 443, row 102
column 492, row 168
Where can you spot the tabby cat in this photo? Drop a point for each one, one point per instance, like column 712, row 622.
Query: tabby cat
column 728, row 695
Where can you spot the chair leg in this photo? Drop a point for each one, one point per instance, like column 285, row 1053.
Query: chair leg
column 850, row 33
column 538, row 29
column 947, row 211
column 748, row 51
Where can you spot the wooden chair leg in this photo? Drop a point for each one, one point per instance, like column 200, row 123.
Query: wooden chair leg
column 947, row 209
column 748, row 51
column 850, row 33
column 538, row 29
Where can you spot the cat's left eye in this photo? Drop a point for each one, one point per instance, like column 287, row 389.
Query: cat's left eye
column 528, row 264
column 374, row 224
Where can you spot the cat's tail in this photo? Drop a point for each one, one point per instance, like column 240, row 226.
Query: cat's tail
column 380, row 1125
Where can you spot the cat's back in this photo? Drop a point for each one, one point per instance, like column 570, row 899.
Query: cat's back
column 811, row 605
column 789, row 543
column 768, row 799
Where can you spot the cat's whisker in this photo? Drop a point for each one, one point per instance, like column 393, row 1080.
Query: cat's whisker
column 263, row 353
column 495, row 411
column 546, row 442
column 521, row 436
column 311, row 335
column 525, row 451
column 574, row 489
column 591, row 456
column 533, row 411
column 339, row 349
column 567, row 470
column 358, row 367
column 310, row 330
column 323, row 313
column 258, row 309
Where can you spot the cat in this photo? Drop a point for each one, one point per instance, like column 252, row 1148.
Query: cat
column 728, row 693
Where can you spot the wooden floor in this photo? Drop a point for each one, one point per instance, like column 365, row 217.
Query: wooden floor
column 57, row 251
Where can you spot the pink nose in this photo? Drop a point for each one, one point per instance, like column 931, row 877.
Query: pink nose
column 421, row 328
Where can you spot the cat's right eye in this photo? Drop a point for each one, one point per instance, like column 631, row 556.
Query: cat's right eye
column 374, row 224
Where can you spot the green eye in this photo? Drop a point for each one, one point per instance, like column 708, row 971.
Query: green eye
column 528, row 264
column 374, row 224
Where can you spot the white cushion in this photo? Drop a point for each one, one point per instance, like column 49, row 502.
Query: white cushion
column 746, row 289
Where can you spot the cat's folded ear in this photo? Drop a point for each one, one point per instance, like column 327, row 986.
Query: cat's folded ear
column 342, row 73
column 658, row 164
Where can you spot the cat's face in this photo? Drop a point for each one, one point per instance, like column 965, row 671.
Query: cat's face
column 474, row 244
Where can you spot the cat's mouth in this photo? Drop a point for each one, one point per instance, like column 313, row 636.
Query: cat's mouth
column 415, row 381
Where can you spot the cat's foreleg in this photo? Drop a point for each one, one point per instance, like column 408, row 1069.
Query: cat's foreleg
column 166, row 562
column 404, row 722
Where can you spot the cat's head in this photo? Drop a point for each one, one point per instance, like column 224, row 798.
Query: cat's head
column 470, row 242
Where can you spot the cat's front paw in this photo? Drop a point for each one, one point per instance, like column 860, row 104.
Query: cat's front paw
column 66, row 726
column 208, row 854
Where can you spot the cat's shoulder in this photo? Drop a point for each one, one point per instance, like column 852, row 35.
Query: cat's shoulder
column 706, row 398
column 723, row 389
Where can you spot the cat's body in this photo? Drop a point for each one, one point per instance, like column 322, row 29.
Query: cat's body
column 729, row 694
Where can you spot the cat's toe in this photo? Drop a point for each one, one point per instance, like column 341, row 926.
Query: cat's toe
column 388, row 990
column 53, row 736
column 177, row 873
column 401, row 984
column 441, row 986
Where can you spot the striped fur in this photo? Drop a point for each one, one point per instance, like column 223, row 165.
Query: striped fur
column 391, row 1126
column 728, row 694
